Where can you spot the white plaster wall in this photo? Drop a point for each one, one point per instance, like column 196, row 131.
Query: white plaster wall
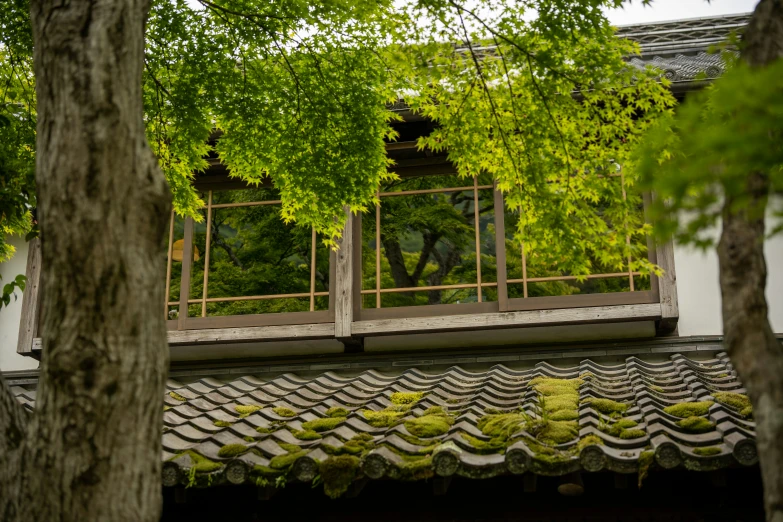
column 9, row 316
column 698, row 289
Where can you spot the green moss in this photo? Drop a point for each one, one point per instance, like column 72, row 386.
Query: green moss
column 503, row 425
column 383, row 418
column 248, row 438
column 656, row 389
column 689, row 409
column 708, row 451
column 606, row 406
column 429, row 425
column 337, row 412
column 483, row 447
column 284, row 412
column 747, row 412
column 406, row 398
column 570, row 384
column 285, row 461
column 735, row 401
column 325, row 424
column 632, row 434
column 232, row 450
column 200, row 463
column 696, row 425
column 454, row 401
column 564, row 415
column 166, row 408
column 221, row 423
column 646, row 458
column 548, row 456
column 261, row 429
column 246, row 409
column 555, row 403
column 618, row 427
column 590, row 440
column 413, row 439
column 306, row 435
column 259, row 472
column 359, row 444
column 290, row 448
column 435, row 410
column 558, row 432
column 337, row 473
column 177, row 396
column 416, row 469
column 722, row 375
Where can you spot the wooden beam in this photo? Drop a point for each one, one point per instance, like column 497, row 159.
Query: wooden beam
column 256, row 333
column 31, row 299
column 187, row 262
column 598, row 314
column 667, row 289
column 343, row 288
column 500, row 249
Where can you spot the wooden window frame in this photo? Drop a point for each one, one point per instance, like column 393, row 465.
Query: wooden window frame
column 185, row 321
column 504, row 303
column 346, row 321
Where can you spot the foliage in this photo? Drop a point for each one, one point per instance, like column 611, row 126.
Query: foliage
column 701, row 156
column 294, row 94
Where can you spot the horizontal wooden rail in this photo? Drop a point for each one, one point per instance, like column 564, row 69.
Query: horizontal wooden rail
column 571, row 278
column 598, row 314
column 432, row 191
column 428, row 288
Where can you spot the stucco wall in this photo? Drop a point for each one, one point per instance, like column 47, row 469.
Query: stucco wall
column 698, row 289
column 9, row 317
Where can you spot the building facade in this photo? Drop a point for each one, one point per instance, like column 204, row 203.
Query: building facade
column 431, row 357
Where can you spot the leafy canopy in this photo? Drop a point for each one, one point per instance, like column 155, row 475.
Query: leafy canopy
column 534, row 93
column 702, row 156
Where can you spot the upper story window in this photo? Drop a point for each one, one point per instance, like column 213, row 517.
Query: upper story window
column 435, row 245
column 246, row 262
column 429, row 242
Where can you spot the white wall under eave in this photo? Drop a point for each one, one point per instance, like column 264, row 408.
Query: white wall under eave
column 698, row 288
column 10, row 316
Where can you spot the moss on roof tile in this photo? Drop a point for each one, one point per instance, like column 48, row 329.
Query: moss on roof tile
column 232, row 450
column 323, row 424
column 337, row 474
column 689, row 409
column 406, row 398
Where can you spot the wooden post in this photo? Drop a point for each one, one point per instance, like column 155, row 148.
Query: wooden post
column 343, row 288
column 28, row 326
column 667, row 289
column 187, row 262
column 500, row 249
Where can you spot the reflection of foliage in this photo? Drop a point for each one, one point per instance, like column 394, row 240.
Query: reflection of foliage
column 427, row 240
column 254, row 253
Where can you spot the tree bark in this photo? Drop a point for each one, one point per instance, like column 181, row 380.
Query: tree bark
column 748, row 336
column 92, row 449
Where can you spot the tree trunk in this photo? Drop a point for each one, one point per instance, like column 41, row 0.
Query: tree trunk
column 748, row 336
column 92, row 449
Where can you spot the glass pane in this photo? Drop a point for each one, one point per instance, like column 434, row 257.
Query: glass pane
column 540, row 266
column 254, row 254
column 429, row 240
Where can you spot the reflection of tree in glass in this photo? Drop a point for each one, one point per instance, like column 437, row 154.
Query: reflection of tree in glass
column 544, row 263
column 254, row 253
column 427, row 240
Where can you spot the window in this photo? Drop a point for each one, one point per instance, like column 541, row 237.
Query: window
column 434, row 244
column 246, row 266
